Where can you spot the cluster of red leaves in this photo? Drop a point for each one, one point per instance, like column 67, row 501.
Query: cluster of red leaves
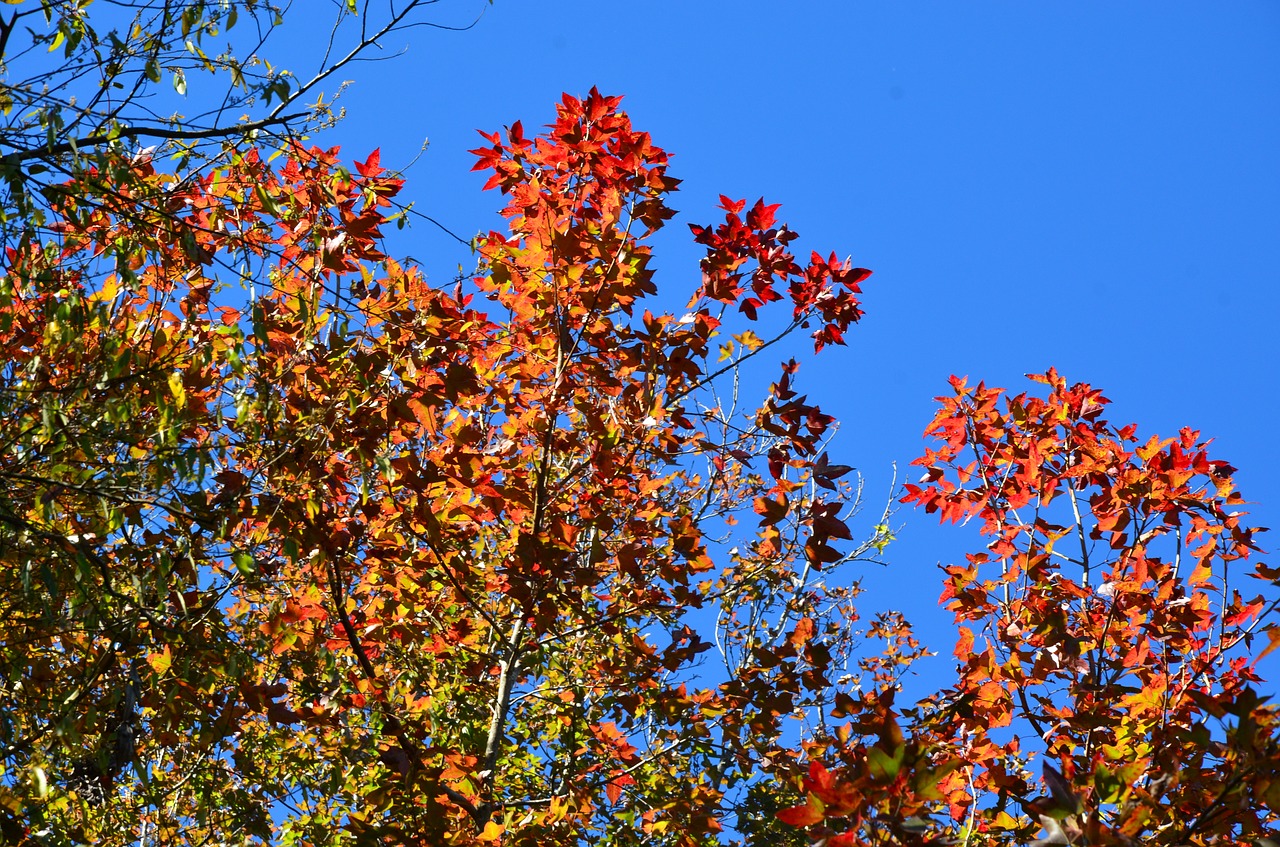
column 753, row 253
column 883, row 784
column 1111, row 615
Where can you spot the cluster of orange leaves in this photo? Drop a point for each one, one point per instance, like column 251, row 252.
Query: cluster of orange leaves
column 1109, row 618
column 435, row 547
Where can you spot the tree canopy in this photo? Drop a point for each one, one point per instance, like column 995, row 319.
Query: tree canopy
column 298, row 546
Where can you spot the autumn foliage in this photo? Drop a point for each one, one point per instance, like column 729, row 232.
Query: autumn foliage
column 300, row 547
column 337, row 555
column 1104, row 629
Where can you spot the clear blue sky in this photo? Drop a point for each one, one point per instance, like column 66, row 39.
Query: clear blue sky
column 1093, row 186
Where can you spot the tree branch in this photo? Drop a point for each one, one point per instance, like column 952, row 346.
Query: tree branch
column 506, row 681
column 68, row 146
column 366, row 41
column 412, row 749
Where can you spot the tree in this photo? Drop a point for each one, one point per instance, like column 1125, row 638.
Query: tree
column 117, row 66
column 298, row 548
column 1109, row 614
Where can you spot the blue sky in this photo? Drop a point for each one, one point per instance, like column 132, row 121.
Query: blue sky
column 1092, row 186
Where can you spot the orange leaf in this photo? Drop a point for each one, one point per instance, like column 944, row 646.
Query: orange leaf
column 1273, row 633
column 802, row 634
column 810, row 813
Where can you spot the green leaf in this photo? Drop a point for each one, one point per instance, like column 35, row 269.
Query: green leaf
column 268, row 202
column 244, row 563
column 259, row 323
column 883, row 766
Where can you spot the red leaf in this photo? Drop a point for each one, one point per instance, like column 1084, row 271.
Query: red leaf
column 369, row 168
column 810, row 813
column 732, row 206
column 762, row 216
column 614, row 790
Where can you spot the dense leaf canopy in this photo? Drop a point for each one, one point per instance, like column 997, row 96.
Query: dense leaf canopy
column 298, row 547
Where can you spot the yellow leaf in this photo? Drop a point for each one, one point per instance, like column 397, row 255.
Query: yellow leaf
column 1005, row 821
column 177, row 389
column 749, row 340
column 160, row 662
column 1201, row 573
column 492, row 832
